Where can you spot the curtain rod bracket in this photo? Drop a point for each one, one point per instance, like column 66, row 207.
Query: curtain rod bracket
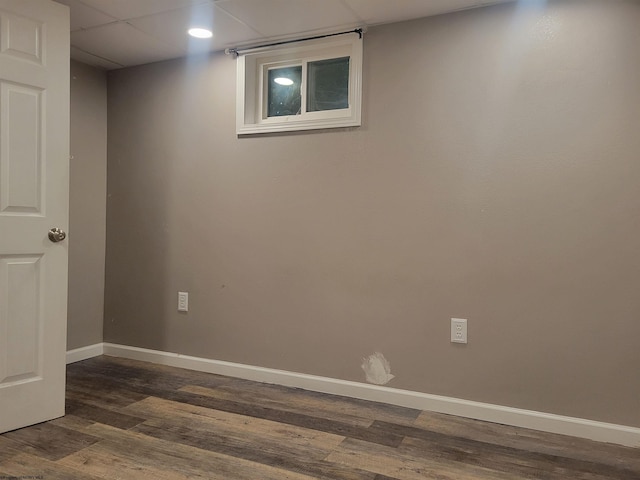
column 231, row 51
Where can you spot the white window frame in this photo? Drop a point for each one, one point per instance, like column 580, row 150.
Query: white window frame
column 251, row 98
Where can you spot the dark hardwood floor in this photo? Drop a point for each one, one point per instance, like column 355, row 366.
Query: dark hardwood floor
column 135, row 420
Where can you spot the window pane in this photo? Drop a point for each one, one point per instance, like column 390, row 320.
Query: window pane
column 328, row 84
column 283, row 94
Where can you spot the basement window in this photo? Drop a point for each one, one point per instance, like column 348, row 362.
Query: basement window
column 300, row 86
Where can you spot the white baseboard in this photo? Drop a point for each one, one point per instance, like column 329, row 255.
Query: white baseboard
column 546, row 422
column 83, row 353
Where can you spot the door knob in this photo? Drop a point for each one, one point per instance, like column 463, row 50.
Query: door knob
column 57, row 235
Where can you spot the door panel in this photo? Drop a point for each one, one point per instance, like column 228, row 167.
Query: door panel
column 21, row 37
column 34, row 176
column 20, row 278
column 20, row 149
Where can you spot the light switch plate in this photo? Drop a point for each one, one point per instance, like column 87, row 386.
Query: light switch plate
column 183, row 301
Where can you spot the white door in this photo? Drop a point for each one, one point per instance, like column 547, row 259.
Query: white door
column 34, row 183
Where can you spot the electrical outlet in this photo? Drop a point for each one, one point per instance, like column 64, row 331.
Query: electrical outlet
column 183, row 301
column 458, row 330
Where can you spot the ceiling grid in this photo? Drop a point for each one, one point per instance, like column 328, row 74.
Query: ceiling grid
column 120, row 33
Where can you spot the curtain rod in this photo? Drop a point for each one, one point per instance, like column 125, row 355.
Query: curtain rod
column 237, row 51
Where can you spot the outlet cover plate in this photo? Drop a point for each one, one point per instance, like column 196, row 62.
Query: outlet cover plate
column 458, row 330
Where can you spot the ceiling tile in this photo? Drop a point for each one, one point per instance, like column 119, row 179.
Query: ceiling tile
column 83, row 16
column 125, row 9
column 385, row 11
column 171, row 27
column 123, row 44
column 92, row 60
column 279, row 18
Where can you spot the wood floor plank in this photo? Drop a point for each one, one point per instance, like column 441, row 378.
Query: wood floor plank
column 105, row 385
column 302, row 407
column 520, row 464
column 138, row 456
column 101, row 415
column 394, row 463
column 274, row 455
column 342, row 409
column 102, row 398
column 24, row 466
column 8, row 448
column 531, row 440
column 253, row 432
column 237, row 443
column 141, row 373
column 163, row 372
column 50, row 441
column 285, row 417
column 72, row 422
column 524, row 463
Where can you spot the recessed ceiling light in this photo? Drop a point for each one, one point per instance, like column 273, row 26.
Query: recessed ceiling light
column 283, row 81
column 200, row 33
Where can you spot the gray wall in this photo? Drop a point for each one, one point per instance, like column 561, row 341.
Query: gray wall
column 87, row 205
column 495, row 178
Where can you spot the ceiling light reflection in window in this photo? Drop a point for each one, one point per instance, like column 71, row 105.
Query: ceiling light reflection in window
column 283, row 81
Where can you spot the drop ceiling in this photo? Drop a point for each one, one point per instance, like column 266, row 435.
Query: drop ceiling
column 120, row 33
